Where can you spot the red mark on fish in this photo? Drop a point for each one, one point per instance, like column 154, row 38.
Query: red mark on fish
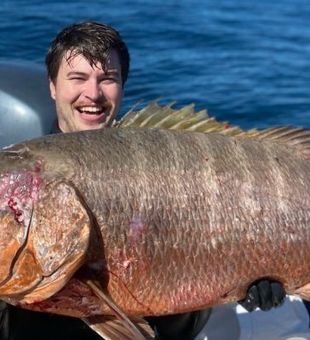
column 19, row 189
column 14, row 206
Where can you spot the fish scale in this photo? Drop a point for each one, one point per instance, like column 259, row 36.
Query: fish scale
column 174, row 221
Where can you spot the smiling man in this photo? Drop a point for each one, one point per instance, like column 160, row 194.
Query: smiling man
column 87, row 72
column 87, row 97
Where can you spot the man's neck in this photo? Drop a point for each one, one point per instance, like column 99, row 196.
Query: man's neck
column 55, row 128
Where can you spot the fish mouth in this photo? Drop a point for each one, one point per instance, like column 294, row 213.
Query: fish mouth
column 52, row 245
column 27, row 282
column 24, row 279
column 24, row 276
column 21, row 265
column 49, row 285
column 13, row 245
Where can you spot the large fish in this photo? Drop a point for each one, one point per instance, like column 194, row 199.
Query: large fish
column 125, row 223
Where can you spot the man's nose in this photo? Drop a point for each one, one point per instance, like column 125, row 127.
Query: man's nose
column 93, row 90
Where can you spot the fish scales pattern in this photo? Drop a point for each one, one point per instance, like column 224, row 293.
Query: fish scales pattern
column 188, row 203
column 187, row 220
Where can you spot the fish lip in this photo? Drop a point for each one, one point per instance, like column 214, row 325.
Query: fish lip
column 22, row 292
column 33, row 294
column 13, row 273
column 19, row 252
column 33, row 291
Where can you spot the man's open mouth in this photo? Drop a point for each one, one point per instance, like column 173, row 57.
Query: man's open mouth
column 94, row 114
column 91, row 109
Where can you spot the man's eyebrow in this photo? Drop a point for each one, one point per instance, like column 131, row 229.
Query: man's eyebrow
column 76, row 73
column 112, row 71
column 79, row 73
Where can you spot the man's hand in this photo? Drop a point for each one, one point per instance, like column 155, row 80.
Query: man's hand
column 264, row 294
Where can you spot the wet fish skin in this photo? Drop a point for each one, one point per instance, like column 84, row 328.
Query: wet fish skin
column 186, row 220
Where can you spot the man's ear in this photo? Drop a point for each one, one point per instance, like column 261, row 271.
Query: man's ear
column 52, row 88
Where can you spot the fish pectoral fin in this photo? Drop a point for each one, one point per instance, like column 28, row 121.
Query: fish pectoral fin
column 111, row 328
column 120, row 326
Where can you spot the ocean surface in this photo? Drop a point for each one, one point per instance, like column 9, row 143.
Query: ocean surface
column 245, row 61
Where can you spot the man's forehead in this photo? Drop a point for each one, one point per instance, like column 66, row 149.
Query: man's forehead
column 75, row 59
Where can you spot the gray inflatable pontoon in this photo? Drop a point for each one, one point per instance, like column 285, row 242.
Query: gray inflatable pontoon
column 26, row 109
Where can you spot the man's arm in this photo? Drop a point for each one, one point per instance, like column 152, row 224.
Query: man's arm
column 4, row 321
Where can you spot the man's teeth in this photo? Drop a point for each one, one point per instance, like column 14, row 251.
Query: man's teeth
column 90, row 109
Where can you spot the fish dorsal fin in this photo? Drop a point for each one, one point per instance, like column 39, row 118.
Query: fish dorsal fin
column 186, row 118
column 165, row 117
column 296, row 137
column 119, row 327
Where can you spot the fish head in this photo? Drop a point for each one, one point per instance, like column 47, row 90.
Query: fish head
column 44, row 229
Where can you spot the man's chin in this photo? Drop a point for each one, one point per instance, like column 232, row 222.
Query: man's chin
column 93, row 124
column 84, row 127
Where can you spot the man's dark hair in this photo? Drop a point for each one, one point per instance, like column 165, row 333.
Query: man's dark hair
column 92, row 40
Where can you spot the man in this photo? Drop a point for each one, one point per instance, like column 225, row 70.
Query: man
column 88, row 66
column 87, row 87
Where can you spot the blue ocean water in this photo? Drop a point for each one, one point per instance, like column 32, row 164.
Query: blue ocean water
column 245, row 61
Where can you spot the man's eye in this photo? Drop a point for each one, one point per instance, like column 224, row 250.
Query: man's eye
column 76, row 78
column 109, row 80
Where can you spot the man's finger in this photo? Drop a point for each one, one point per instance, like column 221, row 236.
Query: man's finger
column 252, row 300
column 278, row 294
column 265, row 293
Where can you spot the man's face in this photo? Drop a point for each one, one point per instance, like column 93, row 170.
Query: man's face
column 87, row 97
